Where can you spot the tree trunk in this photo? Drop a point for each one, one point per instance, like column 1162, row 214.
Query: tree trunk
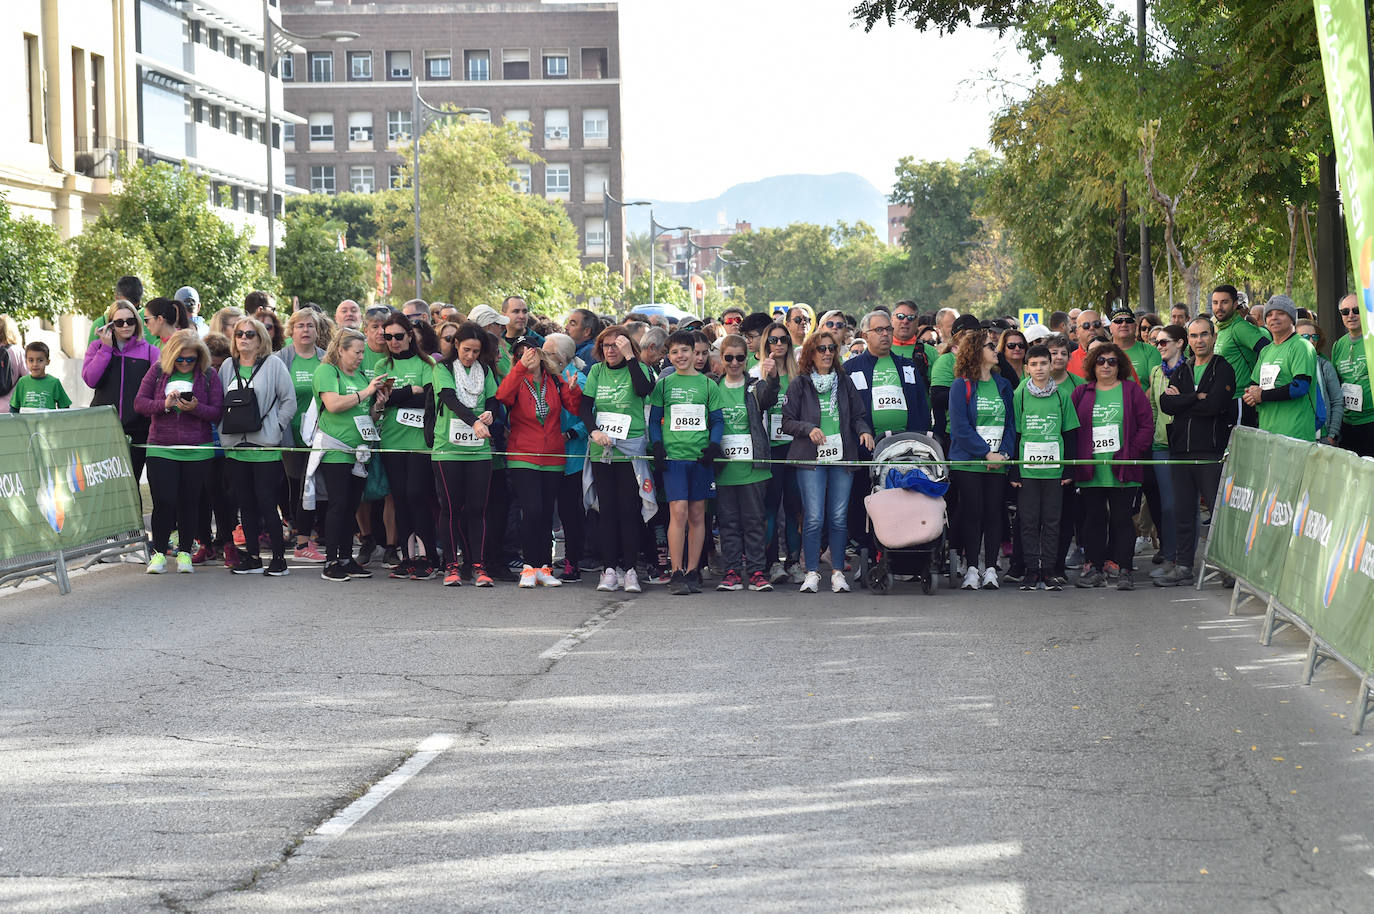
column 1292, row 249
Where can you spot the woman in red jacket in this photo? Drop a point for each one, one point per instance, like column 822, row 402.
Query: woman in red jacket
column 535, row 398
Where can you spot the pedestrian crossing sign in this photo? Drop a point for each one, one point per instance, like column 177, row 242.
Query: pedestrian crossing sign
column 1029, row 316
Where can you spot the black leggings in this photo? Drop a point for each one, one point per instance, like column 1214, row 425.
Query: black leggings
column 538, row 490
column 345, row 494
column 980, row 514
column 498, row 507
column 412, row 492
column 618, row 503
column 463, row 487
column 175, row 486
column 1108, row 508
column 255, row 489
column 573, row 515
column 216, row 504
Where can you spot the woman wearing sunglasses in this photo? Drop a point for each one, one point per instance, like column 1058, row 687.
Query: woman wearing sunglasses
column 302, row 359
column 1011, row 356
column 825, row 417
column 182, row 399
column 409, row 474
column 1115, row 423
column 114, row 366
column 1170, row 340
column 834, row 322
column 742, row 480
column 254, row 465
column 800, row 319
column 782, row 499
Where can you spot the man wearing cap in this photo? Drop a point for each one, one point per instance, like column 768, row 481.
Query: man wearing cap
column 1086, row 329
column 189, row 297
column 348, row 314
column 1126, row 334
column 1357, row 426
column 485, row 316
column 1238, row 342
column 1281, row 383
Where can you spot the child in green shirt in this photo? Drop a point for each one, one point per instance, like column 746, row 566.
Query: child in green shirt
column 36, row 391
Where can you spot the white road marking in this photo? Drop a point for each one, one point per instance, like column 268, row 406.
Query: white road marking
column 427, row 751
column 1221, row 674
column 582, row 633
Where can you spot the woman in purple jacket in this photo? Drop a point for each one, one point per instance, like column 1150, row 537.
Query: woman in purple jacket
column 183, row 398
column 114, row 366
column 1115, row 423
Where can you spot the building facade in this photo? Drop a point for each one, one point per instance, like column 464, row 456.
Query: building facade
column 897, row 214
column 554, row 67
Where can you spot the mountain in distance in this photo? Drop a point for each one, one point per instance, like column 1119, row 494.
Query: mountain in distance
column 774, row 202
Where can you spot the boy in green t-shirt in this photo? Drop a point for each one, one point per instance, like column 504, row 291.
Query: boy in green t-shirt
column 685, row 429
column 36, row 391
column 1044, row 416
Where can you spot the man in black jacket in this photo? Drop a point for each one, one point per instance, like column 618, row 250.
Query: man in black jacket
column 1201, row 402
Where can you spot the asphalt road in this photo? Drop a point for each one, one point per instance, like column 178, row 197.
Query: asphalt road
column 174, row 744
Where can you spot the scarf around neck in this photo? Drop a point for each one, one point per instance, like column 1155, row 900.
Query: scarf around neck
column 470, row 382
column 1046, row 391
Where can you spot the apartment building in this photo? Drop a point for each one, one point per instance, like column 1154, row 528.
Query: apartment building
column 897, row 214
column 555, row 67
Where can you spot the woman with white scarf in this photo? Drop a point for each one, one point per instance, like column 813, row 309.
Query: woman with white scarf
column 465, row 410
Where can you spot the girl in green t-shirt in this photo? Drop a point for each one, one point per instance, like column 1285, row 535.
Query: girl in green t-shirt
column 740, row 483
column 782, row 506
column 405, row 453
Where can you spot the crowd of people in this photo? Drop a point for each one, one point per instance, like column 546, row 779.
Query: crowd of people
column 465, row 447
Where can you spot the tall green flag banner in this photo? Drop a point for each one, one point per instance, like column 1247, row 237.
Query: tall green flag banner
column 66, row 481
column 1343, row 30
column 1260, row 486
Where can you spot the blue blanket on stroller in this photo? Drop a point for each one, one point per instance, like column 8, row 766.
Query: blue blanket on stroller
column 917, row 480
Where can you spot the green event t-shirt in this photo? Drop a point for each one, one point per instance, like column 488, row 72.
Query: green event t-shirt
column 1278, row 365
column 1040, row 426
column 1236, row 339
column 371, row 361
column 1348, row 356
column 178, row 453
column 738, row 442
column 990, row 412
column 942, row 371
column 341, row 426
column 32, row 393
column 249, row 454
column 303, row 381
column 617, row 409
column 404, row 426
column 1143, row 357
column 687, row 402
column 1109, row 413
column 454, row 438
column 889, row 399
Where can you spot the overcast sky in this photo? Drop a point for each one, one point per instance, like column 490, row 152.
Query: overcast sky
column 717, row 92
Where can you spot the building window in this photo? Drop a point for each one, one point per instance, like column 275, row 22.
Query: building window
column 231, row 47
column 288, row 136
column 477, row 65
column 555, row 64
column 393, row 176
column 595, row 232
column 287, row 65
column 558, row 181
column 361, row 179
column 322, row 128
column 291, row 176
column 397, row 125
column 398, row 65
column 438, row 65
column 34, row 76
column 595, row 178
column 515, row 63
column 233, row 122
column 359, row 65
column 594, row 63
column 360, row 129
column 322, row 179
column 556, row 128
column 521, row 182
column 596, row 126
column 321, row 66
column 217, row 117
column 214, row 40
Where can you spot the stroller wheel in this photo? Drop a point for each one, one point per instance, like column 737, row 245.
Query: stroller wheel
column 930, row 583
column 882, row 582
column 861, row 571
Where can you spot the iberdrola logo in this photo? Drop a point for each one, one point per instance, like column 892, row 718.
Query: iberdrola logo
column 1255, row 518
column 51, row 501
column 76, row 475
column 1343, row 560
column 1367, row 276
column 1300, row 515
column 1227, row 488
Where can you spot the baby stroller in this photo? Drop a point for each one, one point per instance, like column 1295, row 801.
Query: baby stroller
column 905, row 514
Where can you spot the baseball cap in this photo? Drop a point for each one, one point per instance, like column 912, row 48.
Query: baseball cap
column 485, row 315
column 187, row 295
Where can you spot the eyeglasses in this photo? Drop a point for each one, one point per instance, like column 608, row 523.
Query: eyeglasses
column 124, row 322
column 832, row 325
column 245, row 334
column 1016, row 345
column 735, row 358
column 778, row 340
column 395, row 336
column 732, row 319
column 801, row 320
column 449, row 339
column 1310, row 337
column 885, row 328
column 1107, row 360
column 903, row 317
column 1349, row 311
column 1123, row 320
column 1092, row 325
column 992, row 346
column 827, row 347
column 186, row 359
column 1161, row 343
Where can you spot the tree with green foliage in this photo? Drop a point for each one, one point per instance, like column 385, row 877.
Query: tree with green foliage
column 102, row 255
column 35, row 268
column 312, row 268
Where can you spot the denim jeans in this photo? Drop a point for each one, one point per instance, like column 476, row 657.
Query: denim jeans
column 825, row 497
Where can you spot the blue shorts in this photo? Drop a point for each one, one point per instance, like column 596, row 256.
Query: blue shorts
column 687, row 480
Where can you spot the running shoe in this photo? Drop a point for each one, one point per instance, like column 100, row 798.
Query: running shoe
column 421, row 570
column 157, row 564
column 367, row 547
column 971, row 580
column 545, row 577
column 453, row 575
column 609, row 578
column 400, row 570
column 277, row 567
column 481, row 578
column 249, row 564
column 811, row 583
column 677, row 585
column 184, row 565
column 354, row 570
column 310, row 552
column 759, row 581
column 693, row 579
column 990, row 581
column 391, row 556
column 527, row 576
column 838, row 584
column 731, row 581
column 203, row 554
column 335, row 572
column 631, row 581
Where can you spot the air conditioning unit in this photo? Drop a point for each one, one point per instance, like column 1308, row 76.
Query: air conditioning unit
column 558, row 133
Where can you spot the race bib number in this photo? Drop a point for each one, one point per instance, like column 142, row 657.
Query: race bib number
column 615, row 426
column 687, row 417
column 992, row 434
column 738, row 447
column 1042, row 454
column 460, row 434
column 889, row 396
column 775, row 432
column 830, row 451
column 411, row 418
column 1353, row 397
column 1106, row 439
column 367, row 428
column 1268, row 375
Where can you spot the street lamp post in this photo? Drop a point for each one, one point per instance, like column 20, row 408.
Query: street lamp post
column 421, row 109
column 606, row 201
column 270, row 32
column 654, row 231
column 692, row 249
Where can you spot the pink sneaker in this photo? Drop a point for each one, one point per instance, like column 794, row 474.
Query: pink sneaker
column 310, row 552
column 231, row 555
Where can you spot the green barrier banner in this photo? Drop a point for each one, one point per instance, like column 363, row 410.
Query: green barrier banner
column 1343, row 31
column 1260, row 485
column 65, row 481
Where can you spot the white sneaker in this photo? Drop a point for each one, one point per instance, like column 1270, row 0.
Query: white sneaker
column 631, row 581
column 837, row 582
column 608, row 581
column 796, row 573
column 971, row 578
column 990, row 579
column 777, row 574
column 526, row 576
column 811, row 583
column 544, row 576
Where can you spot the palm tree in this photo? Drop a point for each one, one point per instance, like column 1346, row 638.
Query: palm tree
column 637, row 254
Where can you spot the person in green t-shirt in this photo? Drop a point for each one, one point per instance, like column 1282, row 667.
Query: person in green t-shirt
column 36, row 391
column 405, row 453
column 1238, row 342
column 1044, row 418
column 1281, row 382
column 782, row 501
column 1352, row 368
column 1126, row 334
column 741, row 484
column 302, row 357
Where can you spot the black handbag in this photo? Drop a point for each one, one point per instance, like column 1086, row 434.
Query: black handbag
column 241, row 414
